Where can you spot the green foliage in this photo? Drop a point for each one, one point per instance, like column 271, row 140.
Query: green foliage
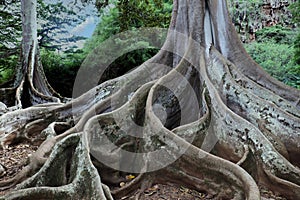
column 297, row 49
column 108, row 26
column 277, row 60
column 273, row 49
column 277, row 50
column 55, row 20
column 10, row 37
column 143, row 13
column 124, row 15
column 61, row 69
column 6, row 75
column 276, row 34
column 295, row 9
column 9, row 60
column 10, row 23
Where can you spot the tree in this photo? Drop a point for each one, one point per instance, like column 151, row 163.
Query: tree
column 55, row 20
column 30, row 71
column 212, row 97
column 9, row 35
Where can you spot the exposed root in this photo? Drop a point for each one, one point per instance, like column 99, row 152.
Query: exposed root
column 21, row 176
column 282, row 187
column 162, row 121
column 242, row 160
column 77, row 181
column 107, row 192
column 35, row 162
column 232, row 49
column 258, row 142
column 2, row 170
column 145, row 184
column 183, row 172
column 19, row 124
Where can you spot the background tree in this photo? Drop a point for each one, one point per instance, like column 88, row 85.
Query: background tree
column 10, row 38
column 210, row 91
column 54, row 24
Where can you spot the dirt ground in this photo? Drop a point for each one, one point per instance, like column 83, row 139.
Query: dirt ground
column 13, row 159
column 175, row 192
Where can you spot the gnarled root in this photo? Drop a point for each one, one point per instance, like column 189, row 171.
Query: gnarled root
column 188, row 125
column 69, row 168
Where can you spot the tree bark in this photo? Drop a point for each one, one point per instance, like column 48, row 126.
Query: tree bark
column 212, row 121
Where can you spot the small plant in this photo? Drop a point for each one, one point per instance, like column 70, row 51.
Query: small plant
column 6, row 75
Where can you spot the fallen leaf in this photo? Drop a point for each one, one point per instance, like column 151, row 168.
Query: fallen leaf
column 130, row 177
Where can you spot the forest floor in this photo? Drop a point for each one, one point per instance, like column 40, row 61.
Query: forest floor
column 14, row 159
column 175, row 192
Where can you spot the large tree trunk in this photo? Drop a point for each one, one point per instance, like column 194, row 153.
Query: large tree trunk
column 213, row 121
column 31, row 86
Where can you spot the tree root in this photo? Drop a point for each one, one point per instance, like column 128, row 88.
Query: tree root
column 280, row 186
column 76, row 177
column 243, row 159
column 160, row 123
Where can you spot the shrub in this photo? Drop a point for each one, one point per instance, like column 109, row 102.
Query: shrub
column 277, row 60
column 61, row 69
column 276, row 34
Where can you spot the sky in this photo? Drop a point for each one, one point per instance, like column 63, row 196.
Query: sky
column 87, row 27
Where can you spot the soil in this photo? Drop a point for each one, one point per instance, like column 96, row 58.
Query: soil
column 14, row 159
column 174, row 192
column 169, row 192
